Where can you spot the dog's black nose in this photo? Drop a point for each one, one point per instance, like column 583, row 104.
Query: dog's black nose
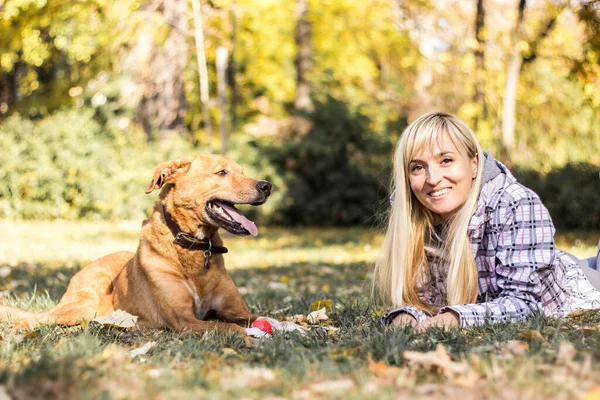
column 264, row 187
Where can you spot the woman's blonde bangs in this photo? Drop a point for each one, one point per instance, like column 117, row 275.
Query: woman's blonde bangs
column 430, row 129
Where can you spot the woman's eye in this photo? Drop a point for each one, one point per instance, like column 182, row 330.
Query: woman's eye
column 446, row 160
column 416, row 168
column 222, row 172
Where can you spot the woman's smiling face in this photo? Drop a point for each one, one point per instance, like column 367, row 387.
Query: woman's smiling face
column 441, row 176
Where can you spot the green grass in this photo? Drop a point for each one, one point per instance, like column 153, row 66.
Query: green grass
column 280, row 273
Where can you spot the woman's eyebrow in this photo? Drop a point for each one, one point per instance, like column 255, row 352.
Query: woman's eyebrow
column 438, row 155
column 443, row 153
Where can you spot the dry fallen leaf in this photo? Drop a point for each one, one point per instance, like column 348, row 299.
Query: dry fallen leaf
column 298, row 318
column 118, row 318
column 316, row 316
column 533, row 336
column 336, row 386
column 381, row 370
column 577, row 314
column 247, row 378
column 514, row 347
column 140, row 351
column 332, row 330
column 591, row 328
column 469, row 380
column 566, row 353
column 436, row 361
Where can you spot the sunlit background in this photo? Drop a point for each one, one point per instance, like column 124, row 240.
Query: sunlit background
column 311, row 95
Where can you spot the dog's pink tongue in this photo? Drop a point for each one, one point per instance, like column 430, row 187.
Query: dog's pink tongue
column 239, row 217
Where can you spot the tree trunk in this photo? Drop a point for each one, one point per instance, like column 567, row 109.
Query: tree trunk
column 510, row 88
column 222, row 84
column 163, row 104
column 234, row 98
column 516, row 63
column 303, row 61
column 510, row 100
column 478, row 94
column 202, row 70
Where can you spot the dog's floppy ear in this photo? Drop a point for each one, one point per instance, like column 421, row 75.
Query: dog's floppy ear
column 166, row 171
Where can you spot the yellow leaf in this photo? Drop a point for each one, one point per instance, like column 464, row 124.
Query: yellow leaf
column 108, row 352
column 533, row 336
column 229, row 351
column 316, row 305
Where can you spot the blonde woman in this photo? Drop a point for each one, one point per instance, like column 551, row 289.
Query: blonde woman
column 466, row 242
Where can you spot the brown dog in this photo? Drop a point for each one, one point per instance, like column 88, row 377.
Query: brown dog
column 177, row 277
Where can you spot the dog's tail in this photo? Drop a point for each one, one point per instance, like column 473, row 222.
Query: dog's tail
column 21, row 318
column 68, row 314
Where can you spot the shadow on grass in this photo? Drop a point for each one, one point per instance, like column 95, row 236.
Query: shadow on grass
column 280, row 292
column 348, row 342
column 26, row 278
column 263, row 288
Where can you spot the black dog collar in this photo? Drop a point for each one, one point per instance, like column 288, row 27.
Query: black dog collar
column 188, row 241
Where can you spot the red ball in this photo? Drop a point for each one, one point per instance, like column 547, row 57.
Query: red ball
column 263, row 325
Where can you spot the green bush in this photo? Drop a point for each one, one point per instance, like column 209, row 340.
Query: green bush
column 334, row 174
column 67, row 166
column 571, row 194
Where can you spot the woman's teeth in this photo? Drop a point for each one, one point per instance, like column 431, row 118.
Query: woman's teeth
column 439, row 193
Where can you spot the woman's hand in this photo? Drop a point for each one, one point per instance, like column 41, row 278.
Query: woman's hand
column 446, row 320
column 403, row 320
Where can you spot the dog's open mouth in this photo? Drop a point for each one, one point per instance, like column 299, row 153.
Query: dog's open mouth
column 230, row 218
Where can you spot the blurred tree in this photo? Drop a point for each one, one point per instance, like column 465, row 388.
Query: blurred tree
column 221, row 86
column 510, row 89
column 49, row 50
column 587, row 67
column 479, row 52
column 303, row 60
column 162, row 105
column 517, row 60
column 202, row 68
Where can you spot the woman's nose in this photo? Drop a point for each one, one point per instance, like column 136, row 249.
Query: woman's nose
column 434, row 175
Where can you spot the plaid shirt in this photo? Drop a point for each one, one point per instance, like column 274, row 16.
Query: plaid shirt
column 520, row 269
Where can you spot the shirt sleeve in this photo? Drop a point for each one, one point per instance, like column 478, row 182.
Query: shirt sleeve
column 524, row 250
column 419, row 315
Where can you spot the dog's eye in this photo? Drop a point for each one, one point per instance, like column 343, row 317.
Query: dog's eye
column 222, row 172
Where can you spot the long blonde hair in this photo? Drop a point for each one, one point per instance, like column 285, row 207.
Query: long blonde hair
column 402, row 261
